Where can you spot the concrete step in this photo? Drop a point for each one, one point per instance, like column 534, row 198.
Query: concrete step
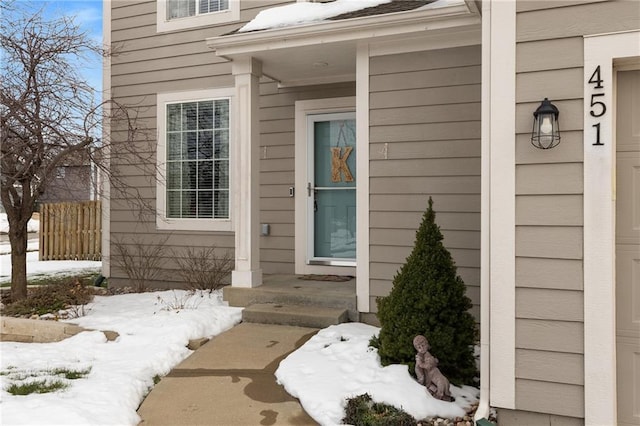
column 295, row 315
column 301, row 295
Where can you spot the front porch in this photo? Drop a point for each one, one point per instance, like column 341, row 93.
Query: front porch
column 402, row 76
column 291, row 300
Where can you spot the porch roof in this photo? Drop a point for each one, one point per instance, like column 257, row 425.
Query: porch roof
column 325, row 51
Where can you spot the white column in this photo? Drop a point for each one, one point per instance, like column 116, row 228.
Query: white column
column 362, row 187
column 246, row 206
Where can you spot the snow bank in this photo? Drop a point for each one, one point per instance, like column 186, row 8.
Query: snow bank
column 32, row 226
column 152, row 341
column 337, row 363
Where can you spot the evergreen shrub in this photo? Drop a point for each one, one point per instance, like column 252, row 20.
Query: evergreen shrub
column 428, row 298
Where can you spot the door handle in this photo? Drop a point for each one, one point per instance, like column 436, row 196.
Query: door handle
column 310, row 189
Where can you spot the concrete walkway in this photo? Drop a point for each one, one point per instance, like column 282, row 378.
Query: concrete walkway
column 230, row 381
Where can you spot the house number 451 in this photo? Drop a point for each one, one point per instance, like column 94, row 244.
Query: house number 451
column 598, row 107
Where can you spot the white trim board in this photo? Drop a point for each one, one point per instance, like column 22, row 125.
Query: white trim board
column 599, row 227
column 500, row 112
column 105, row 182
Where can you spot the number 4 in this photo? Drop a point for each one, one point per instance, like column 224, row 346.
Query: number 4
column 596, row 79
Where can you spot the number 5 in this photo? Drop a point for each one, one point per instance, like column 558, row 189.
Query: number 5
column 594, row 103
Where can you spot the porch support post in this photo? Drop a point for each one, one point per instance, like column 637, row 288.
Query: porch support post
column 246, row 206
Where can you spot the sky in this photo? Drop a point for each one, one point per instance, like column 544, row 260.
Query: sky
column 88, row 15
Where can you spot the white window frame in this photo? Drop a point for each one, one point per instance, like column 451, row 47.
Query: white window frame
column 212, row 18
column 190, row 224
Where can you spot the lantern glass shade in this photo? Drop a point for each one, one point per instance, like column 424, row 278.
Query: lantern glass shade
column 546, row 131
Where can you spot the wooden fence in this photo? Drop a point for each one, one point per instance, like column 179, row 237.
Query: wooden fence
column 71, row 231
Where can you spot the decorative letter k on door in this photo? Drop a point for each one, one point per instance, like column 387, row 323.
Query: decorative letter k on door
column 339, row 165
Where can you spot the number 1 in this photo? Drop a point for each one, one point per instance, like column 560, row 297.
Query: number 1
column 597, row 126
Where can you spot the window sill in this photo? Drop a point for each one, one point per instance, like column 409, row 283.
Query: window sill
column 194, row 224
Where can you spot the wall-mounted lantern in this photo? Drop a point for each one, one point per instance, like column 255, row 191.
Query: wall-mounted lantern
column 546, row 132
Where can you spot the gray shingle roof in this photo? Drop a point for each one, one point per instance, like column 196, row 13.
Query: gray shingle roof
column 392, row 7
column 382, row 9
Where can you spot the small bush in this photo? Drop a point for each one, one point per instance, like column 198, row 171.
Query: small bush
column 201, row 269
column 179, row 303
column 141, row 261
column 51, row 299
column 362, row 411
column 38, row 386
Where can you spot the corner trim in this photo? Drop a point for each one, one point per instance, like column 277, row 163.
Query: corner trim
column 502, row 110
column 104, row 181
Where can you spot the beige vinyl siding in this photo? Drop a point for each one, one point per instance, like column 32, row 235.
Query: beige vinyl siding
column 424, row 141
column 146, row 63
column 277, row 168
column 549, row 201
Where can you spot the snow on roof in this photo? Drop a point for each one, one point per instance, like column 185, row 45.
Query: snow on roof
column 305, row 12
column 310, row 12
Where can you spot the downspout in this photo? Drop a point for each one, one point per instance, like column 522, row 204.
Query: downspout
column 485, row 224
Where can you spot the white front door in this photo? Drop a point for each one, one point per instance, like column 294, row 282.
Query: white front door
column 628, row 248
column 331, row 189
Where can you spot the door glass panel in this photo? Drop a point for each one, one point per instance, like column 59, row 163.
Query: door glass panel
column 334, row 194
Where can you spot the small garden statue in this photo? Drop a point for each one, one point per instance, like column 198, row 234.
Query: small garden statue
column 427, row 371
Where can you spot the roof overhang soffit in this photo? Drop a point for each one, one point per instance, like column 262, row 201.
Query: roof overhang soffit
column 339, row 39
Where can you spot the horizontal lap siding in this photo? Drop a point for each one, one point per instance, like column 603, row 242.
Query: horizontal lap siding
column 549, row 199
column 424, row 141
column 277, row 168
column 146, row 63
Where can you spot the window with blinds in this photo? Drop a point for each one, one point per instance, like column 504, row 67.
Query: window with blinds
column 197, row 159
column 185, row 8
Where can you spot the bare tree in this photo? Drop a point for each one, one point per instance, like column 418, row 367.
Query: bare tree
column 48, row 115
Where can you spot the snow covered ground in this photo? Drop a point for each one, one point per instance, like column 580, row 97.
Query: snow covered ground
column 32, row 226
column 332, row 366
column 152, row 340
column 36, row 268
column 337, row 363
